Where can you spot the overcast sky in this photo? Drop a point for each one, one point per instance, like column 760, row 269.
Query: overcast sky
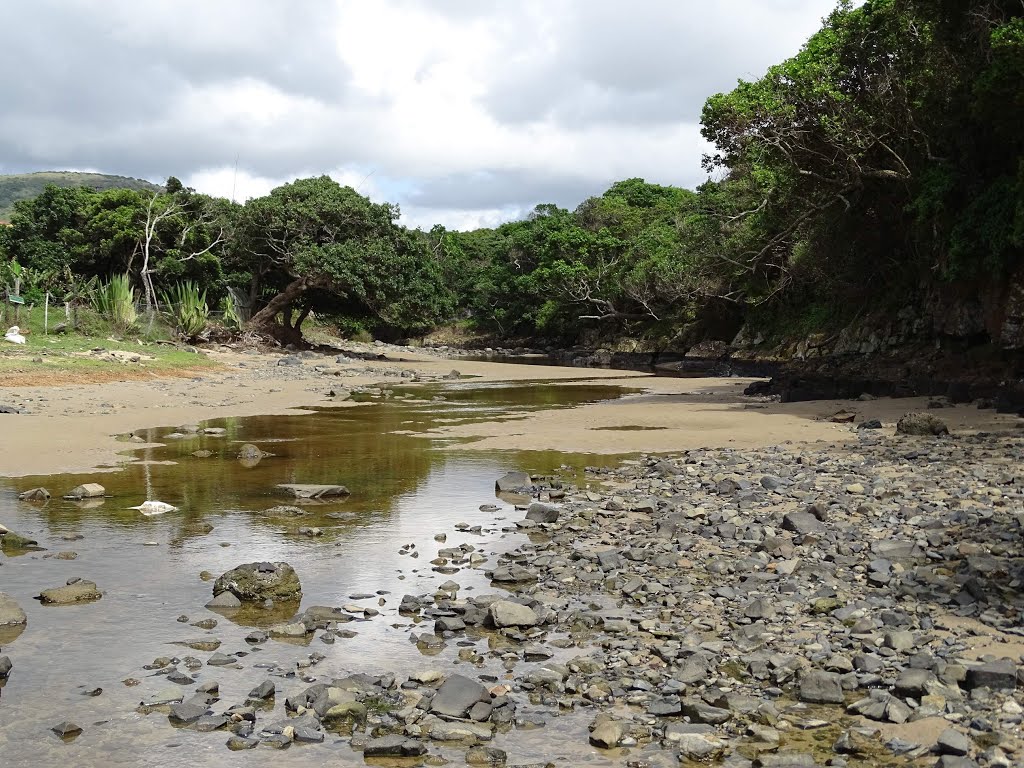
column 464, row 112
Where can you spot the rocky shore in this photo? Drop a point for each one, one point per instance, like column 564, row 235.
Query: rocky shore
column 790, row 606
column 808, row 604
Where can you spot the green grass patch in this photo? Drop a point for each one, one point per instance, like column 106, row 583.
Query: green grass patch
column 94, row 354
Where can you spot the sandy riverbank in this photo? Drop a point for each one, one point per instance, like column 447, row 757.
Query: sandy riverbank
column 75, row 428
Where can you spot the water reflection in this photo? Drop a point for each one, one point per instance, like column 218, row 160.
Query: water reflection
column 149, row 567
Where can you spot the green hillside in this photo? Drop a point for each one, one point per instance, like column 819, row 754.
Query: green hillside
column 25, row 186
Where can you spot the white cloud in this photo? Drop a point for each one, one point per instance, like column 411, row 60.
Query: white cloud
column 464, row 111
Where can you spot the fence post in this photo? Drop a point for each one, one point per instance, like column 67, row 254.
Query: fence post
column 46, row 315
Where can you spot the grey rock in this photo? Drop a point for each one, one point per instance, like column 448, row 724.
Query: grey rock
column 820, row 687
column 34, row 494
column 224, row 600
column 921, row 424
column 263, row 691
column 540, row 512
column 914, row 682
column 11, row 614
column 952, row 742
column 490, row 756
column 66, row 729
column 803, row 524
column 77, row 592
column 505, row 613
column 998, row 675
column 608, row 733
column 257, row 582
column 456, row 695
column 512, row 481
column 395, row 745
column 699, row 746
column 186, row 712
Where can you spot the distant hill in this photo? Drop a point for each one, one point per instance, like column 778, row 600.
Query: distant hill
column 24, row 186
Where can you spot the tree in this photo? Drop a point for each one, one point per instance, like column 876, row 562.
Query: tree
column 316, row 243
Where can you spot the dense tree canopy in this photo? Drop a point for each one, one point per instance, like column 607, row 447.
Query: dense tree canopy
column 881, row 161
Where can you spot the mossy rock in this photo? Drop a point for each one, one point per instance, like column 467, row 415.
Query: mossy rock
column 258, row 582
column 12, row 541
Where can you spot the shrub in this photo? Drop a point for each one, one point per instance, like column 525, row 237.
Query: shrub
column 115, row 301
column 186, row 307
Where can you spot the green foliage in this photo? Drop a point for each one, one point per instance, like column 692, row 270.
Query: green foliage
column 185, row 305
column 25, row 186
column 229, row 311
column 115, row 302
column 885, row 156
column 316, row 245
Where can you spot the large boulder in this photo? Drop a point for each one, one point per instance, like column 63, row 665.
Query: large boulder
column 258, row 582
column 921, row 424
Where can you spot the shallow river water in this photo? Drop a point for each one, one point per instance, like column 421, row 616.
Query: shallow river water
column 405, row 489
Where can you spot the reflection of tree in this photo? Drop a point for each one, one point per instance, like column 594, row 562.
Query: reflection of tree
column 356, row 446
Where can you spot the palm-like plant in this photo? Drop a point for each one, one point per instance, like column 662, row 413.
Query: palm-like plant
column 186, row 307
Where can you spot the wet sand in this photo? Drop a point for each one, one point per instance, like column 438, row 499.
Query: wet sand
column 75, row 428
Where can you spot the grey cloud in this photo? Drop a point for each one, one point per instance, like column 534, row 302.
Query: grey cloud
column 500, row 188
column 647, row 61
column 96, row 82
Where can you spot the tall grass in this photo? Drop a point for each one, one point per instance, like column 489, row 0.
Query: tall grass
column 115, row 301
column 187, row 309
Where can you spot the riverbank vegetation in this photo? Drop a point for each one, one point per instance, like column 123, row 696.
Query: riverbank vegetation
column 881, row 163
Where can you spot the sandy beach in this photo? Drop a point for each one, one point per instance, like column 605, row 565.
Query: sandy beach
column 76, row 428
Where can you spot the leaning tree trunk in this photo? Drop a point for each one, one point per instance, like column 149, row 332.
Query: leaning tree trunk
column 265, row 321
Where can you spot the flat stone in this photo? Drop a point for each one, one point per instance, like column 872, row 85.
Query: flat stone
column 998, row 675
column 505, row 613
column 456, row 695
column 820, row 687
column 803, row 524
column 186, row 712
column 166, row 696
column 395, row 745
column 69, row 594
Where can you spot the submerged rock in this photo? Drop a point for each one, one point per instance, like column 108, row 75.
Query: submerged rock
column 11, row 614
column 76, row 592
column 86, row 491
column 35, row 494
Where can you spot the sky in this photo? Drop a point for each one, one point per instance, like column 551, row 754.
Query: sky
column 466, row 113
